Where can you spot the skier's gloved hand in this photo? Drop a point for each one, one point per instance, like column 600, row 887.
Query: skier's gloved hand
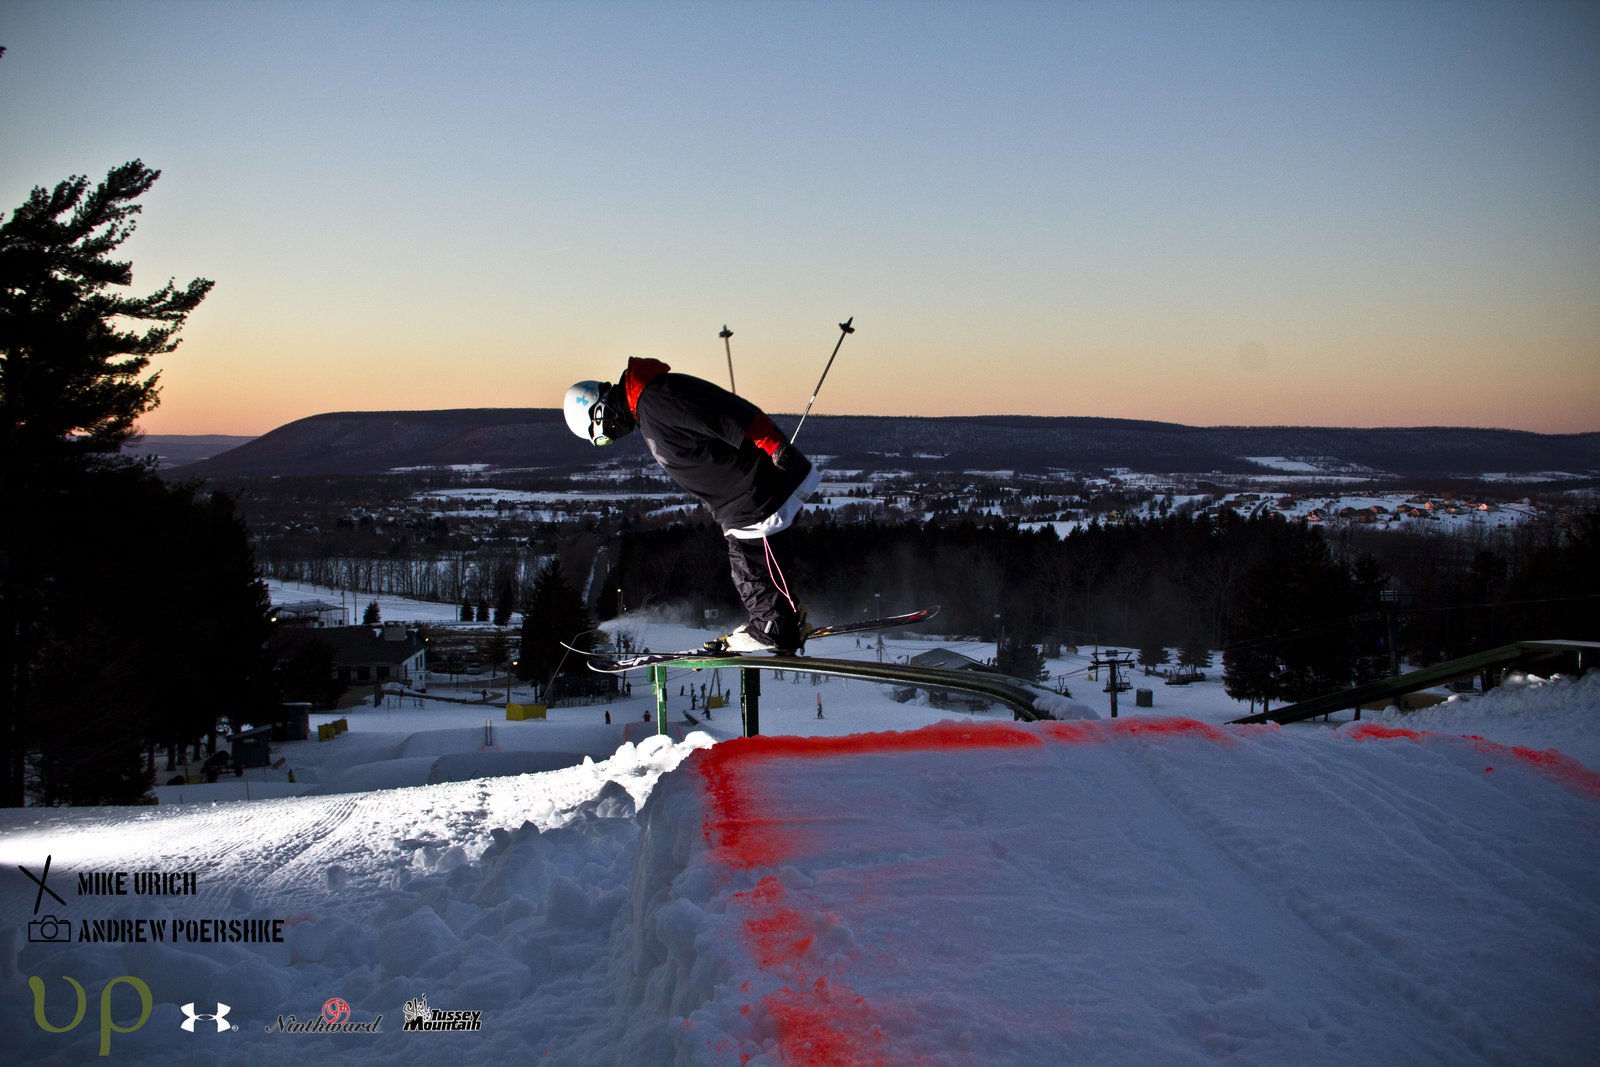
column 783, row 456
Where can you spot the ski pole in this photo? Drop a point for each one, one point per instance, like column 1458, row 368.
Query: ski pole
column 845, row 330
column 725, row 334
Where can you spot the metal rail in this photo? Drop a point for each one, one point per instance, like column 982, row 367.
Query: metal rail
column 1523, row 654
column 998, row 687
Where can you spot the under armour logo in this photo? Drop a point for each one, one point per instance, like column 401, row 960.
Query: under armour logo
column 190, row 1017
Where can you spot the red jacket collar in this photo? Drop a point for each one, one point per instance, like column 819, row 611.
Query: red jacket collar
column 640, row 373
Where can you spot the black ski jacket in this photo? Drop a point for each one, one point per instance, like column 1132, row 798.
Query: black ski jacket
column 712, row 443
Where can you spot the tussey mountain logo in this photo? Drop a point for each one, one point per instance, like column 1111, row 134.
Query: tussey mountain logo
column 421, row 1017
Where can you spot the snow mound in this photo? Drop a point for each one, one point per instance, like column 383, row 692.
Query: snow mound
column 1138, row 890
column 1527, row 711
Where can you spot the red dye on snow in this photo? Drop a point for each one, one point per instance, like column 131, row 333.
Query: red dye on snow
column 819, row 1027
column 942, row 735
column 1558, row 765
column 745, row 836
column 818, row 1018
column 820, row 1021
column 1371, row 731
column 774, row 931
column 1096, row 731
column 733, row 826
column 1146, row 727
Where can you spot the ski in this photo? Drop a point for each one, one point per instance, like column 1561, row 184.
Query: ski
column 609, row 664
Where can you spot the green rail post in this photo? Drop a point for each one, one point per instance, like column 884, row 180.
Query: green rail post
column 750, row 700
column 658, row 678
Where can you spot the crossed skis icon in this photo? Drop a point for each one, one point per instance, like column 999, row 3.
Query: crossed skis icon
column 40, row 880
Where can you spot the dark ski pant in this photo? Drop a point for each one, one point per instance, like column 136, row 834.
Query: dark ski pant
column 747, row 559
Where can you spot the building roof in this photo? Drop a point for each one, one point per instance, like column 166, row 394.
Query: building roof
column 954, row 661
column 358, row 644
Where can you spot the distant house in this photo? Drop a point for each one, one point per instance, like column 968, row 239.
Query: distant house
column 951, row 661
column 366, row 654
column 312, row 613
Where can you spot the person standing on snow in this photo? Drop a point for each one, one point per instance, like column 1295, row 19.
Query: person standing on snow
column 726, row 452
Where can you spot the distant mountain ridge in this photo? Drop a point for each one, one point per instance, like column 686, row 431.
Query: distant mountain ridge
column 376, row 442
column 176, row 450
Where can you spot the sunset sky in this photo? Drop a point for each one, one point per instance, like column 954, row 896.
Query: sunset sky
column 1328, row 213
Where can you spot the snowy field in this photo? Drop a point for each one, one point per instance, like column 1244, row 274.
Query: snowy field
column 892, row 883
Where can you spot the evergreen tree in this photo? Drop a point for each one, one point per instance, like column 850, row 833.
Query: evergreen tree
column 371, row 616
column 1292, row 628
column 73, row 380
column 142, row 643
column 496, row 650
column 1152, row 656
column 505, row 603
column 1021, row 659
column 553, row 614
column 306, row 675
column 1194, row 655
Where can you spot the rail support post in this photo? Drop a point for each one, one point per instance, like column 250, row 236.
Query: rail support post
column 750, row 700
column 658, row 679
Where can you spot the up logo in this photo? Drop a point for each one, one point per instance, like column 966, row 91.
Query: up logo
column 107, row 1024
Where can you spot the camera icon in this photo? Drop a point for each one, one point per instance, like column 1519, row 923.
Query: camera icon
column 50, row 928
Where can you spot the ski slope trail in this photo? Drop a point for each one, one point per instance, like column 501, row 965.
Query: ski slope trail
column 1132, row 891
column 1140, row 890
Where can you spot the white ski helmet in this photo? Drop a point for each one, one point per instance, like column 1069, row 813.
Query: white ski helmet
column 584, row 408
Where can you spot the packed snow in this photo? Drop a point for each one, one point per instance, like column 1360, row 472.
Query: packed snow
column 895, row 883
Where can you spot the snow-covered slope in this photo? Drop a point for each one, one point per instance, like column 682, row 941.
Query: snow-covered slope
column 1158, row 889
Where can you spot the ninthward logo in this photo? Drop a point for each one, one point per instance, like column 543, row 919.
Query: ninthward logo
column 220, row 1017
column 335, row 1019
column 421, row 1017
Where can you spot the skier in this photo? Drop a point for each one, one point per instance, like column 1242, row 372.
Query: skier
column 725, row 451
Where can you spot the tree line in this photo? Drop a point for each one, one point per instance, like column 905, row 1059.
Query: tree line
column 1293, row 611
column 131, row 614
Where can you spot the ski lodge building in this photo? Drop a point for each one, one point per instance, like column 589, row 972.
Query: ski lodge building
column 367, row 654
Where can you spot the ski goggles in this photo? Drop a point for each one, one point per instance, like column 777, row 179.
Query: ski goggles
column 597, row 420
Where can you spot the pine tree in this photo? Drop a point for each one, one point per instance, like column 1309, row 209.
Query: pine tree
column 120, row 673
column 73, row 380
column 505, row 603
column 1152, row 656
column 554, row 614
column 1195, row 655
column 306, row 674
column 1291, row 634
column 1021, row 659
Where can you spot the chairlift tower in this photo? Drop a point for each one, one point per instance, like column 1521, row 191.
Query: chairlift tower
column 1111, row 660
